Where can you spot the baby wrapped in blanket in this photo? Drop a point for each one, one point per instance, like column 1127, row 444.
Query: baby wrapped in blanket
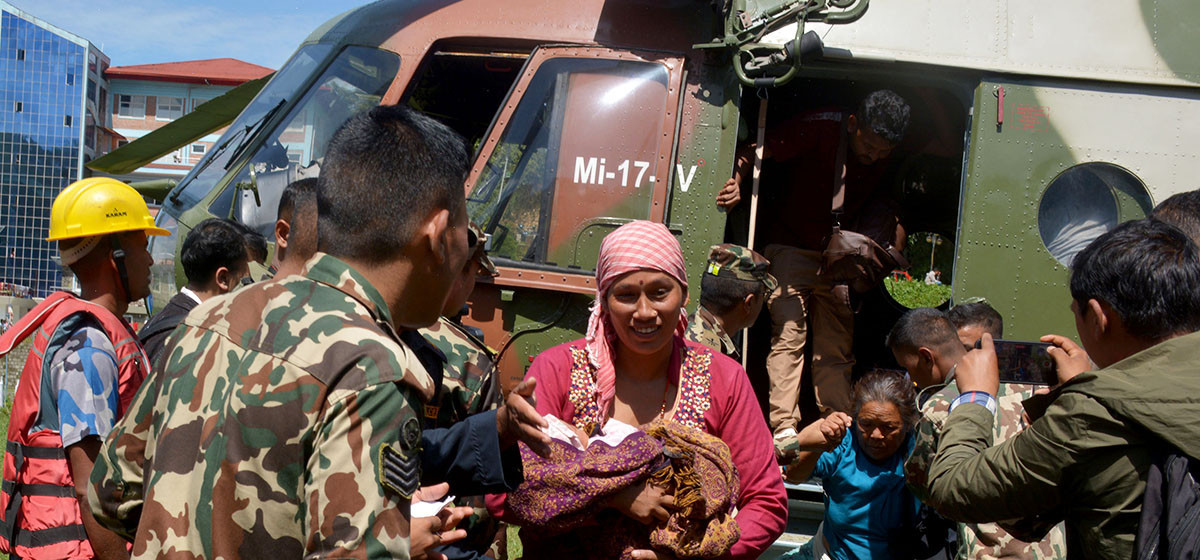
column 562, row 508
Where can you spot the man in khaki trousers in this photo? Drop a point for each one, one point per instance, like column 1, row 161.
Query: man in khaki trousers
column 816, row 150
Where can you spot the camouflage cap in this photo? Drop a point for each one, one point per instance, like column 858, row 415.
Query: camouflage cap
column 477, row 244
column 733, row 260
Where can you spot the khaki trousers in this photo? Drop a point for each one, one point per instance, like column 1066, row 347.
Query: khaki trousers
column 802, row 293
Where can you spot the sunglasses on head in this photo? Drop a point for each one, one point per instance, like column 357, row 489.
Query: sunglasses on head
column 474, row 240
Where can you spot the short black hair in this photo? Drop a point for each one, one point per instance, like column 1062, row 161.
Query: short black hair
column 885, row 113
column 298, row 206
column 924, row 326
column 980, row 314
column 1148, row 272
column 720, row 294
column 212, row 244
column 1182, row 211
column 386, row 170
column 301, row 194
column 256, row 244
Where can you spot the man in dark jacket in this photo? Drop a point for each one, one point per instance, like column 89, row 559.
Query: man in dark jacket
column 215, row 261
column 1085, row 456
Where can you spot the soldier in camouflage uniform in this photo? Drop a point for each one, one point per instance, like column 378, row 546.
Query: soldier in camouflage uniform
column 468, row 385
column 925, row 342
column 284, row 419
column 732, row 292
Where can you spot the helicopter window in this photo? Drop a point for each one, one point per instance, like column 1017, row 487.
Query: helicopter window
column 464, row 89
column 1086, row 201
column 279, row 90
column 577, row 157
column 353, row 83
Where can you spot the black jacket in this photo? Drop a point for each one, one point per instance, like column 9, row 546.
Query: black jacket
column 154, row 334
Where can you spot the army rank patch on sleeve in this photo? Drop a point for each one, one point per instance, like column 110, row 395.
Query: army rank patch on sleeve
column 399, row 470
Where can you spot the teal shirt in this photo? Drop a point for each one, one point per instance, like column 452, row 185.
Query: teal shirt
column 865, row 502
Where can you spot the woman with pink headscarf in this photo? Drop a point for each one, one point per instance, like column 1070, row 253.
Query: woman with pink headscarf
column 635, row 368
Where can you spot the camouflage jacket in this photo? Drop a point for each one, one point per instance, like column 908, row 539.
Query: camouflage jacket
column 704, row 328
column 468, row 378
column 273, row 427
column 469, row 386
column 979, row 541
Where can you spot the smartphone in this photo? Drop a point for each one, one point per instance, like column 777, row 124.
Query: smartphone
column 1025, row 362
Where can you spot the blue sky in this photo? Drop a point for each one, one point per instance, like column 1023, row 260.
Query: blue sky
column 264, row 32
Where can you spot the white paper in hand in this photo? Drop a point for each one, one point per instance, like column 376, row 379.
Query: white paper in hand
column 430, row 509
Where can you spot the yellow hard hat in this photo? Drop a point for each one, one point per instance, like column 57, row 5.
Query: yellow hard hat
column 99, row 206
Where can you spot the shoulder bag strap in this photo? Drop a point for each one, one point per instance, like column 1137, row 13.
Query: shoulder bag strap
column 839, row 177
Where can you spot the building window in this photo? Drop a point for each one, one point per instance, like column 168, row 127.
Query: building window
column 20, row 54
column 18, row 107
column 67, row 121
column 121, row 143
column 131, row 106
column 199, row 149
column 169, row 108
column 91, row 62
column 91, row 91
column 198, row 101
column 70, row 78
column 102, row 107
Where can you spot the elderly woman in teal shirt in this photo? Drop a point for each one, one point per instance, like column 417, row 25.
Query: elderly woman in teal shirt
column 868, row 509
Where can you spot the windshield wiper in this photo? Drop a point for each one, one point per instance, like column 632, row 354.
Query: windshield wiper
column 247, row 132
column 252, row 131
column 212, row 156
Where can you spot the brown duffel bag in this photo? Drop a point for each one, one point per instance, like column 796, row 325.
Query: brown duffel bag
column 857, row 260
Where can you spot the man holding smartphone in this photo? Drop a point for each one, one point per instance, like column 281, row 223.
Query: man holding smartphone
column 1084, row 458
column 927, row 344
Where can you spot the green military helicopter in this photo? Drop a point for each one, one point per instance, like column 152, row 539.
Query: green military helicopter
column 1036, row 127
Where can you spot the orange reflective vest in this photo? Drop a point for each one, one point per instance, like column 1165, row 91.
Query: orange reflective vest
column 40, row 513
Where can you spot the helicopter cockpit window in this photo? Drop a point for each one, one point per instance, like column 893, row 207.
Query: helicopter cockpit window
column 1085, row 202
column 279, row 90
column 353, row 83
column 576, row 159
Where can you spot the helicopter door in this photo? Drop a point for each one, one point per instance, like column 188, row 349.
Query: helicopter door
column 1049, row 168
column 581, row 146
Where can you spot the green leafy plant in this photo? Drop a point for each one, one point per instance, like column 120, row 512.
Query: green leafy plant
column 916, row 293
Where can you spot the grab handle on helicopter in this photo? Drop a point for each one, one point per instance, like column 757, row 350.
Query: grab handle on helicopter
column 792, row 52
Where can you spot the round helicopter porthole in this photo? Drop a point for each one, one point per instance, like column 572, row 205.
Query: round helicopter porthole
column 1086, row 201
column 927, row 281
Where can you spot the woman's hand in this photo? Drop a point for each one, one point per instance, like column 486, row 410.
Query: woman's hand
column 644, row 502
column 647, row 554
column 825, row 434
column 834, row 428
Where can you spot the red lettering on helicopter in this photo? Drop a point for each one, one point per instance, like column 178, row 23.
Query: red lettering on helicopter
column 1033, row 118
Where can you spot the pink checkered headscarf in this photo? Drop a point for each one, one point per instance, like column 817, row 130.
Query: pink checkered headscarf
column 639, row 245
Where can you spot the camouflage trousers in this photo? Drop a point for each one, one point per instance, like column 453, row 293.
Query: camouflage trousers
column 803, row 295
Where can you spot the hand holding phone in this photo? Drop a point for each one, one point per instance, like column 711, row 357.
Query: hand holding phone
column 1071, row 358
column 1025, row 362
column 978, row 370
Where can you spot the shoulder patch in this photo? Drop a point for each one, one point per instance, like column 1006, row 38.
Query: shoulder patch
column 399, row 469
